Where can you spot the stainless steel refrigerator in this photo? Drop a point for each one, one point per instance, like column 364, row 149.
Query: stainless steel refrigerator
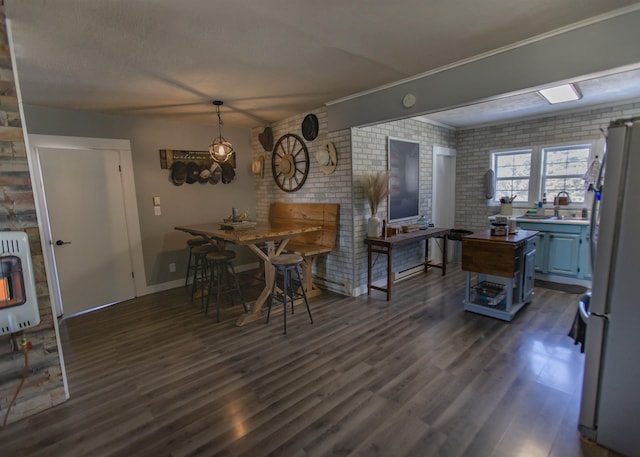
column 610, row 408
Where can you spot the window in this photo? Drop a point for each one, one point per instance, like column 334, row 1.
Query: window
column 513, row 172
column 562, row 170
column 540, row 172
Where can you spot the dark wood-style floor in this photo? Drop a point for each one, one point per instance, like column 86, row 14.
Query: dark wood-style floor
column 417, row 376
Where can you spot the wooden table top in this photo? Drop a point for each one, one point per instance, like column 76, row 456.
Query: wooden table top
column 513, row 238
column 402, row 238
column 263, row 231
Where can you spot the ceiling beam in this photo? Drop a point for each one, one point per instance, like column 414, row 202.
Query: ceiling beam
column 570, row 55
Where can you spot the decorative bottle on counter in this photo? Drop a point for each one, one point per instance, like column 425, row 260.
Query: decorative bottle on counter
column 423, row 224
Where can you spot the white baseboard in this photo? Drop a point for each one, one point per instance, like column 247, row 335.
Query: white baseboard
column 163, row 286
column 564, row 280
column 180, row 282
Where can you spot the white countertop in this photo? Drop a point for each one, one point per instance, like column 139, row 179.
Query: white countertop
column 566, row 221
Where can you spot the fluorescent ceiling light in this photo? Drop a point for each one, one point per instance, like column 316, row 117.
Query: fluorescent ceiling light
column 559, row 94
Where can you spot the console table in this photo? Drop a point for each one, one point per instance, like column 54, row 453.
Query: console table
column 379, row 245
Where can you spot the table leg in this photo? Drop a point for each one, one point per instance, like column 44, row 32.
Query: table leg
column 308, row 286
column 369, row 269
column 269, row 272
column 443, row 265
column 467, row 289
column 445, row 240
column 426, row 255
column 389, row 272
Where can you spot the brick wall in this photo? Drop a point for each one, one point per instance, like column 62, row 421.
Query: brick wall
column 474, row 146
column 43, row 387
column 364, row 150
column 360, row 151
column 370, row 155
column 335, row 270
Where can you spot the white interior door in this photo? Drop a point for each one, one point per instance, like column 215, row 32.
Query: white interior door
column 444, row 195
column 85, row 203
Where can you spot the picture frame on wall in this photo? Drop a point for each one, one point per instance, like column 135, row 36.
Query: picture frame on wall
column 404, row 179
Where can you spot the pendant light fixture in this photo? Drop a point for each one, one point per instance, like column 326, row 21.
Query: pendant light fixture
column 220, row 149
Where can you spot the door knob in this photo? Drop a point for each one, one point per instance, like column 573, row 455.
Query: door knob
column 60, row 242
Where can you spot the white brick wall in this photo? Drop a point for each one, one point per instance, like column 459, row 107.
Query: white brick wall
column 335, row 269
column 369, row 149
column 474, row 146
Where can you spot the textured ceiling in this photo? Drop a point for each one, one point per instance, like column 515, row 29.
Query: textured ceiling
column 266, row 59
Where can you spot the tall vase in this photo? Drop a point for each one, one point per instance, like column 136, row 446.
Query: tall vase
column 373, row 227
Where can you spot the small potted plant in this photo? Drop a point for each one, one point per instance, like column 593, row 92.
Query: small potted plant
column 376, row 189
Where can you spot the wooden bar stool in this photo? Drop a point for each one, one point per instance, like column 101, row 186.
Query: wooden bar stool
column 286, row 264
column 193, row 242
column 222, row 278
column 200, row 267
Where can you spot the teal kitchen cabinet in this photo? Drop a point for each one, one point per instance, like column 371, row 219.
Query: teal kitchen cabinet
column 585, row 254
column 562, row 250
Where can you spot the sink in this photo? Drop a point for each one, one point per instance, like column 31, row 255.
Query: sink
column 537, row 217
column 573, row 218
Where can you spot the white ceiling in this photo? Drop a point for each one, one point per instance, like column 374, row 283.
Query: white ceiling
column 271, row 59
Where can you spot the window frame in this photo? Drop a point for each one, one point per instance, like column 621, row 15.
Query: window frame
column 506, row 152
column 536, row 179
column 543, row 167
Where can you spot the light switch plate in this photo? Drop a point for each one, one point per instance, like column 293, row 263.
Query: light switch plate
column 156, row 201
column 157, row 211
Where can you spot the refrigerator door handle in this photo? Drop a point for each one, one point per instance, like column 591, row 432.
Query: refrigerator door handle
column 591, row 378
column 583, row 307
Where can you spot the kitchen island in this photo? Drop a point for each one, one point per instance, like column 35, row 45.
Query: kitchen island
column 504, row 266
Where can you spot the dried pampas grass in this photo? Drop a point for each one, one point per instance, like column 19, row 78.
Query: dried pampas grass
column 376, row 188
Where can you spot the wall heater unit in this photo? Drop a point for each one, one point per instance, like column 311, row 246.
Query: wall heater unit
column 18, row 300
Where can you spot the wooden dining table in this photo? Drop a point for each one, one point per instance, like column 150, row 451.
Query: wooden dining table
column 264, row 239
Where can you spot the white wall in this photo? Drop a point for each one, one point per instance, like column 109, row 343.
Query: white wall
column 180, row 205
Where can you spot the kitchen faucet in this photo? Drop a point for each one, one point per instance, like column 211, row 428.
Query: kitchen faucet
column 556, row 202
